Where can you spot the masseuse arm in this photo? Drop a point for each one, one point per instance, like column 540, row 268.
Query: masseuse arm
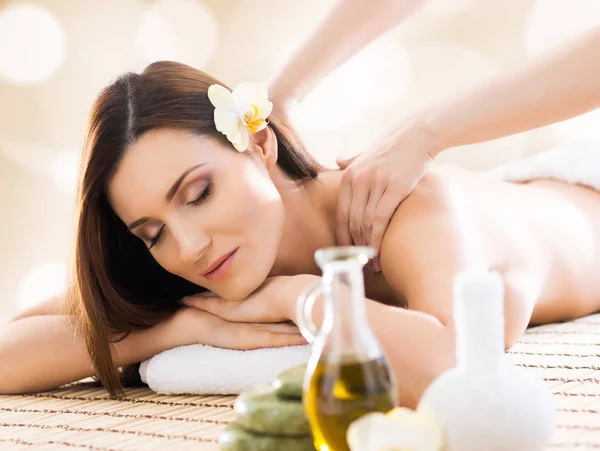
column 556, row 86
column 347, row 28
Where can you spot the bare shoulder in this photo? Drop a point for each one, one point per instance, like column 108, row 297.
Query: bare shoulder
column 452, row 222
column 54, row 305
column 423, row 242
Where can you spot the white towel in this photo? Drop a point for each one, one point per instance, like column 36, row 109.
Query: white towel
column 577, row 163
column 200, row 369
column 204, row 370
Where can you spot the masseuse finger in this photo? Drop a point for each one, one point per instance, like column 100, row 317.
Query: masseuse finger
column 360, row 197
column 343, row 163
column 343, row 210
column 369, row 216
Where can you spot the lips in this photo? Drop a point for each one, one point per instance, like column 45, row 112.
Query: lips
column 218, row 262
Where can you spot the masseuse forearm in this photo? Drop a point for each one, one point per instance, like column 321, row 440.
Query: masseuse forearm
column 43, row 352
column 349, row 27
column 557, row 86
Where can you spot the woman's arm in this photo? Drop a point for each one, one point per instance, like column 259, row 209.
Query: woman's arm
column 418, row 346
column 556, row 86
column 349, row 27
column 43, row 352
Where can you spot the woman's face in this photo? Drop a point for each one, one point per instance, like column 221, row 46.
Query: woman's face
column 192, row 201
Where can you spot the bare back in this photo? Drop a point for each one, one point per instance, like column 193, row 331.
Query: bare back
column 543, row 236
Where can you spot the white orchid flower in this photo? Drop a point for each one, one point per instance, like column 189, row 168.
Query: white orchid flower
column 241, row 112
column 401, row 429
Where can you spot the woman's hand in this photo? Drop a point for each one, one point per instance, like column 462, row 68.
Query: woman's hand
column 273, row 302
column 375, row 182
column 194, row 326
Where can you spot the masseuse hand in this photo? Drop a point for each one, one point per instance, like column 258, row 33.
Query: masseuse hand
column 375, row 182
column 273, row 302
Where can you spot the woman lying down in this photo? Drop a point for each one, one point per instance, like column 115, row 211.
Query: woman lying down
column 175, row 198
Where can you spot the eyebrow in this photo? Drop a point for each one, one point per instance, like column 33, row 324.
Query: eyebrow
column 169, row 197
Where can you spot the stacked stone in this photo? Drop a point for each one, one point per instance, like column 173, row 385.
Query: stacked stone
column 270, row 417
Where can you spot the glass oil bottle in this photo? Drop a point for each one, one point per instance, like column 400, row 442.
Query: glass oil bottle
column 347, row 374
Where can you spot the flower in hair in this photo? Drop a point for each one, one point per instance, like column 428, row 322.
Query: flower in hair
column 241, row 112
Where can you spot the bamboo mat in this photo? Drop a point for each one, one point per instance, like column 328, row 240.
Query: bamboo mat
column 80, row 416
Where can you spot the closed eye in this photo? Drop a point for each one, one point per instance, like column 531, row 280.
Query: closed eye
column 154, row 240
column 207, row 191
column 203, row 196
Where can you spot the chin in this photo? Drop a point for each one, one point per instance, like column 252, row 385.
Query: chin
column 248, row 277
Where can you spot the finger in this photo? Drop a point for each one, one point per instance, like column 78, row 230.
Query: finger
column 369, row 216
column 358, row 204
column 282, row 328
column 343, row 209
column 343, row 163
column 383, row 215
column 271, row 339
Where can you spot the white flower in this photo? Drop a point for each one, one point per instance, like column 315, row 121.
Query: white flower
column 401, row 429
column 241, row 112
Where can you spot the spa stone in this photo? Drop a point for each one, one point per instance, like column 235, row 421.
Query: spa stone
column 235, row 438
column 260, row 410
column 289, row 383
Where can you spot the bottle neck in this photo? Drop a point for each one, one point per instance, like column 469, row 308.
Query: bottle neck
column 345, row 320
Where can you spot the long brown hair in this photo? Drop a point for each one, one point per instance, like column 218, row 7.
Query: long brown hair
column 117, row 286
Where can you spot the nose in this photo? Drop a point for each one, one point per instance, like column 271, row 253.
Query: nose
column 192, row 243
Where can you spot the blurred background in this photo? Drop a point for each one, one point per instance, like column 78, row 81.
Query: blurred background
column 55, row 56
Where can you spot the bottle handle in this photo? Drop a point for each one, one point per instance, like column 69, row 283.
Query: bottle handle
column 304, row 306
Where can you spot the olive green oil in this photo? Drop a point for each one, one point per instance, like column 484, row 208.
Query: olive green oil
column 339, row 393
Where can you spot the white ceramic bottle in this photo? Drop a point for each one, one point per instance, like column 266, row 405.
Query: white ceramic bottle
column 483, row 403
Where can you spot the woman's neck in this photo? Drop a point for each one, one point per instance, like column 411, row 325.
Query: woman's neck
column 310, row 212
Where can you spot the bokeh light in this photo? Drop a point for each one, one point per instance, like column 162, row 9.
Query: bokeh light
column 41, row 282
column 63, row 171
column 375, row 77
column 444, row 7
column 553, row 22
column 177, row 30
column 442, row 68
column 581, row 128
column 32, row 44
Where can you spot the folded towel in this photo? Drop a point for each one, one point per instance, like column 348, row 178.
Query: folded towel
column 200, row 369
column 577, row 163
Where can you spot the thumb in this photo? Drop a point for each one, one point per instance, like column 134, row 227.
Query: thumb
column 343, row 163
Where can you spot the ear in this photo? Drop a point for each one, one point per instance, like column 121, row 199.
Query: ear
column 264, row 145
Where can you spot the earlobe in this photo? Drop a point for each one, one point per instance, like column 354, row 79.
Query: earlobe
column 265, row 145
